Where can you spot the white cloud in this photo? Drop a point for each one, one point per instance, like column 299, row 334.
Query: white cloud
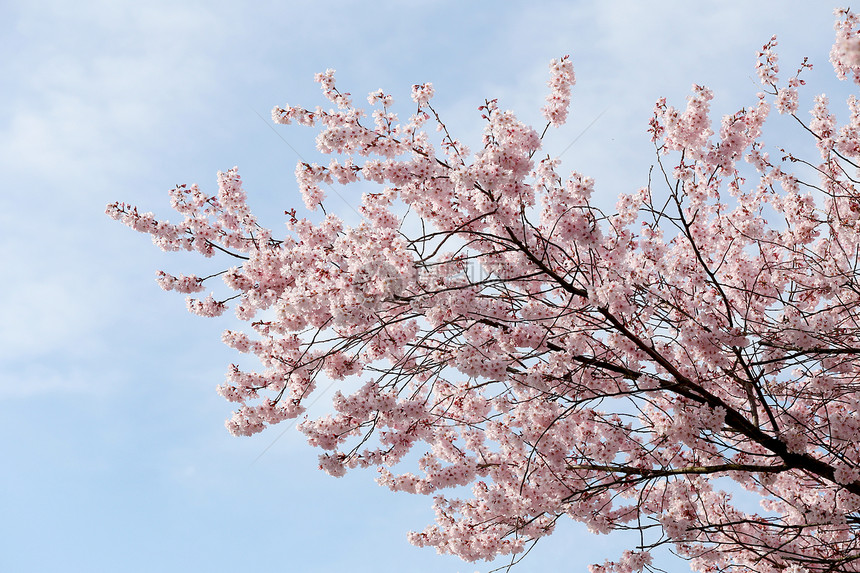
column 95, row 81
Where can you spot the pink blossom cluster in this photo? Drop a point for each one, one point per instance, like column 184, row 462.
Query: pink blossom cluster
column 601, row 367
column 561, row 80
column 845, row 53
column 180, row 283
column 421, row 94
column 767, row 66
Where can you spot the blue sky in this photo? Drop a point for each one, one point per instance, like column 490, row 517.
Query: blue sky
column 115, row 457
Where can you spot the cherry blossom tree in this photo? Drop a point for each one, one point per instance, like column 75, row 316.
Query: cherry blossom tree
column 543, row 359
